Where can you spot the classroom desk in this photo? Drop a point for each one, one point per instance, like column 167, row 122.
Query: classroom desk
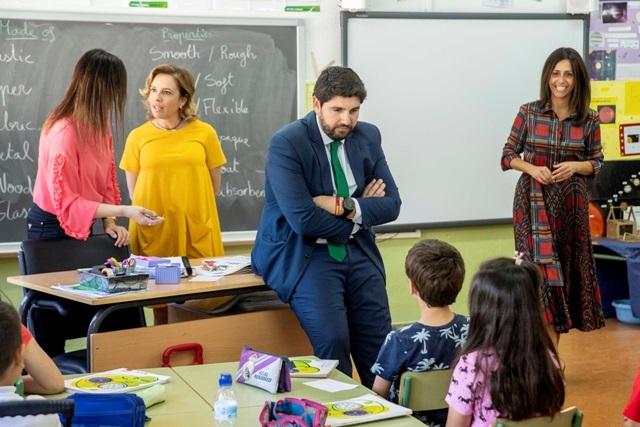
column 181, row 400
column 203, row 379
column 154, row 294
column 191, row 391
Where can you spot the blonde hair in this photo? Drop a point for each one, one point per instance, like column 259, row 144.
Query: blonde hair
column 186, row 85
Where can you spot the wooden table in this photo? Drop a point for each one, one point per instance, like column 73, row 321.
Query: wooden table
column 235, row 284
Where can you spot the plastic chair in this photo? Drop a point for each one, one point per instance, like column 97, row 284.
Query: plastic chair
column 424, row 391
column 64, row 407
column 570, row 417
column 52, row 320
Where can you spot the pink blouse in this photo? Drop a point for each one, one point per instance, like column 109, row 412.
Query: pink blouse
column 73, row 177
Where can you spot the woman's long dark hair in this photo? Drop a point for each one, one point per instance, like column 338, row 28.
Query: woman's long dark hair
column 96, row 95
column 506, row 320
column 581, row 93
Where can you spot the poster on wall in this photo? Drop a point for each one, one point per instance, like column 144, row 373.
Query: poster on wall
column 618, row 105
column 614, row 41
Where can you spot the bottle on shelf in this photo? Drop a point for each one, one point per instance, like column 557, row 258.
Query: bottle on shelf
column 225, row 407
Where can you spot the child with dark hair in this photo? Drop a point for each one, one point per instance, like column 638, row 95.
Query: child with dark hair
column 436, row 271
column 509, row 366
column 11, row 366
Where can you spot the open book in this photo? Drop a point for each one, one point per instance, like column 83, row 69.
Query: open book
column 363, row 409
column 115, row 381
column 308, row 367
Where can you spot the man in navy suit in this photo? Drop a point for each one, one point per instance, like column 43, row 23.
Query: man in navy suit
column 327, row 184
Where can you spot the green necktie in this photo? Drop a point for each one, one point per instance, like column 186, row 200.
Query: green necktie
column 338, row 251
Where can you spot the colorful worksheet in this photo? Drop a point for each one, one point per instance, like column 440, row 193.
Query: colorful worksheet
column 308, row 367
column 115, row 381
column 363, row 409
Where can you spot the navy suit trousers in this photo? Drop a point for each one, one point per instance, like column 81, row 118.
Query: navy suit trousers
column 343, row 308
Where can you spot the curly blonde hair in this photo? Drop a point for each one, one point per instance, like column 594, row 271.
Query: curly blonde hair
column 186, row 85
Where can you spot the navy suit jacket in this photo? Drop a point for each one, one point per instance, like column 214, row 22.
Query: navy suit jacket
column 297, row 169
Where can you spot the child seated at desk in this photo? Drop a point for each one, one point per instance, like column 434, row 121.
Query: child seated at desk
column 12, row 362
column 436, row 272
column 508, row 367
column 43, row 376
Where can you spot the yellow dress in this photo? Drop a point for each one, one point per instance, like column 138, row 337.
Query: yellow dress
column 174, row 179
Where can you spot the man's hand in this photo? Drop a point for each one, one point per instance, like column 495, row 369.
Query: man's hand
column 374, row 189
column 328, row 203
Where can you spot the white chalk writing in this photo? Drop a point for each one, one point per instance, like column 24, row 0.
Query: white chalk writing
column 27, row 31
column 229, row 190
column 199, row 34
column 7, row 125
column 159, row 54
column 8, row 187
column 227, row 54
column 15, row 56
column 210, row 106
column 235, row 140
column 232, row 166
column 13, row 90
column 220, row 82
column 8, row 153
column 9, row 213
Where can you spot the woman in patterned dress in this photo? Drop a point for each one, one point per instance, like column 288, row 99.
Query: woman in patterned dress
column 559, row 136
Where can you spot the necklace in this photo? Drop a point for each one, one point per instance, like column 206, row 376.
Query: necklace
column 157, row 124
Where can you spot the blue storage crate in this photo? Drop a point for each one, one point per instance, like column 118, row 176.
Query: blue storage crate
column 623, row 311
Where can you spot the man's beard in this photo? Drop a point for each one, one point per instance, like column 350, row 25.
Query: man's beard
column 331, row 132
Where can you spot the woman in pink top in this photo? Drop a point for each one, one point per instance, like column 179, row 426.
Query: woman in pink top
column 508, row 366
column 76, row 180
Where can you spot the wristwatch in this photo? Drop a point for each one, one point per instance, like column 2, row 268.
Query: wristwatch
column 348, row 206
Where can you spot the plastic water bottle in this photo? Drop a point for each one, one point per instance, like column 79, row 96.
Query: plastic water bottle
column 225, row 408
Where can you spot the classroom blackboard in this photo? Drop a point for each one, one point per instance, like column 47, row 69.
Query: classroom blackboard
column 248, row 75
column 444, row 90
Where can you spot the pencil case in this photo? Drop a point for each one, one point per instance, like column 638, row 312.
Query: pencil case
column 263, row 370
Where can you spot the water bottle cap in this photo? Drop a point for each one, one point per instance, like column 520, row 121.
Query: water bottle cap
column 225, row 380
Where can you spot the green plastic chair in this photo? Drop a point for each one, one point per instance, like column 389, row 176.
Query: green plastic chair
column 570, row 417
column 424, row 391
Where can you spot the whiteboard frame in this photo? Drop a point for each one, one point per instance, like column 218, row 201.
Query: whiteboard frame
column 152, row 16
column 345, row 16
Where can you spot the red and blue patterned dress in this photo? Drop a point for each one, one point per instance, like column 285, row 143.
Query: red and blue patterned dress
column 551, row 222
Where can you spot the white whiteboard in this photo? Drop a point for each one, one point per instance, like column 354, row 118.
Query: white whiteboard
column 444, row 93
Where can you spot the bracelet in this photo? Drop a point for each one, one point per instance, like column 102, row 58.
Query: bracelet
column 338, row 203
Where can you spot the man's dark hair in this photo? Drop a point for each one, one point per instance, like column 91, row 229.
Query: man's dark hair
column 338, row 81
column 10, row 337
column 437, row 271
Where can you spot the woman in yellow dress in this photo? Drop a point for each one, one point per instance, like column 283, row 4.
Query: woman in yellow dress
column 172, row 164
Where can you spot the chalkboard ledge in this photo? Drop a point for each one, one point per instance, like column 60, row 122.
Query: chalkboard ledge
column 230, row 238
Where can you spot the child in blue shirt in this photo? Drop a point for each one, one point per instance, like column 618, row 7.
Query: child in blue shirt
column 436, row 272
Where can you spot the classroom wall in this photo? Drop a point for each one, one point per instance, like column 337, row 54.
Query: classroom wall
column 322, row 36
